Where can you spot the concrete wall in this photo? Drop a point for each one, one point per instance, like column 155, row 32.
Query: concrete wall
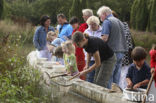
column 89, row 90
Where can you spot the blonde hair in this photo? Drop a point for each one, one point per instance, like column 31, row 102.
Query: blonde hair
column 69, row 46
column 51, row 33
column 87, row 12
column 104, row 9
column 93, row 19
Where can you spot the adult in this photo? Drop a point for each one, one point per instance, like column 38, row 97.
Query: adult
column 114, row 35
column 40, row 36
column 103, row 55
column 95, row 30
column 127, row 60
column 86, row 14
column 80, row 57
column 65, row 29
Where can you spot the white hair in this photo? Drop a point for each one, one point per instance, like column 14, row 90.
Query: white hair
column 93, row 19
column 104, row 9
column 87, row 12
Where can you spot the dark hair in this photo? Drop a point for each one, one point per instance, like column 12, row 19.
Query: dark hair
column 44, row 19
column 138, row 53
column 74, row 20
column 79, row 36
column 58, row 52
column 61, row 15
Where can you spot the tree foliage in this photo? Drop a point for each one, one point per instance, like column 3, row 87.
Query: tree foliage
column 1, row 8
column 143, row 15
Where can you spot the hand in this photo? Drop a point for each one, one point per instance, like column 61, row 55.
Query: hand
column 57, row 63
column 50, row 48
column 104, row 37
column 152, row 70
column 86, row 67
column 82, row 73
column 136, row 86
column 130, row 84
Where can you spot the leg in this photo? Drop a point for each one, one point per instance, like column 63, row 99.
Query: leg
column 117, row 69
column 104, row 72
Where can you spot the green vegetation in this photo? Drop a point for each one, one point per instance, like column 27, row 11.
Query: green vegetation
column 143, row 16
column 1, row 8
column 19, row 83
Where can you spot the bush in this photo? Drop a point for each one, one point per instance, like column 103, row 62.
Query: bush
column 144, row 39
column 18, row 82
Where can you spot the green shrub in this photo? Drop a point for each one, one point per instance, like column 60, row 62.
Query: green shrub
column 18, row 82
column 144, row 39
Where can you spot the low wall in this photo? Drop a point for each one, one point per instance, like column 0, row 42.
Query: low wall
column 84, row 88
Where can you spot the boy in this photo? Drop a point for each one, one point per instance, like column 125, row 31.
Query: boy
column 138, row 74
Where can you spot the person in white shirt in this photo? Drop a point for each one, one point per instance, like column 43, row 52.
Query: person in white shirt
column 95, row 30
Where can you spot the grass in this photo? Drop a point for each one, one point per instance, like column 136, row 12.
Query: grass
column 145, row 40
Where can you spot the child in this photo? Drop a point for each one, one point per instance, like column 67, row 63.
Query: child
column 59, row 54
column 53, row 41
column 138, row 75
column 69, row 58
column 153, row 61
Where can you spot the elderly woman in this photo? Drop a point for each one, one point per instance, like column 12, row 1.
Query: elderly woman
column 103, row 55
column 95, row 30
column 40, row 36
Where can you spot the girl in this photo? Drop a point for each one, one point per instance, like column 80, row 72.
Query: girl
column 69, row 58
column 80, row 57
column 153, row 61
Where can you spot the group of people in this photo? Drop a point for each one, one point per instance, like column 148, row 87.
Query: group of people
column 96, row 53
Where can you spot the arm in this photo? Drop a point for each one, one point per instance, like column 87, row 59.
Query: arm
column 129, row 83
column 97, row 63
column 88, row 61
column 69, row 32
column 35, row 39
column 129, row 77
column 106, row 28
column 143, row 83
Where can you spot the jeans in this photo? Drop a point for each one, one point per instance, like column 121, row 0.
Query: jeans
column 90, row 75
column 116, row 71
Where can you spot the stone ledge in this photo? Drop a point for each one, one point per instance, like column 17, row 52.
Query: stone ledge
column 84, row 88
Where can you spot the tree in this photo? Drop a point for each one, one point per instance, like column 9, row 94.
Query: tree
column 1, row 8
column 152, row 17
column 75, row 9
column 139, row 14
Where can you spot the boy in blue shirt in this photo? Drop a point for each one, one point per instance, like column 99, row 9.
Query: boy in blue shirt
column 138, row 75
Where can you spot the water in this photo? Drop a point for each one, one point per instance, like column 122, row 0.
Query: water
column 62, row 94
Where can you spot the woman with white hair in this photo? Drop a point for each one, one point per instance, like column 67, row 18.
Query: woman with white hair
column 95, row 30
column 114, row 35
column 86, row 14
